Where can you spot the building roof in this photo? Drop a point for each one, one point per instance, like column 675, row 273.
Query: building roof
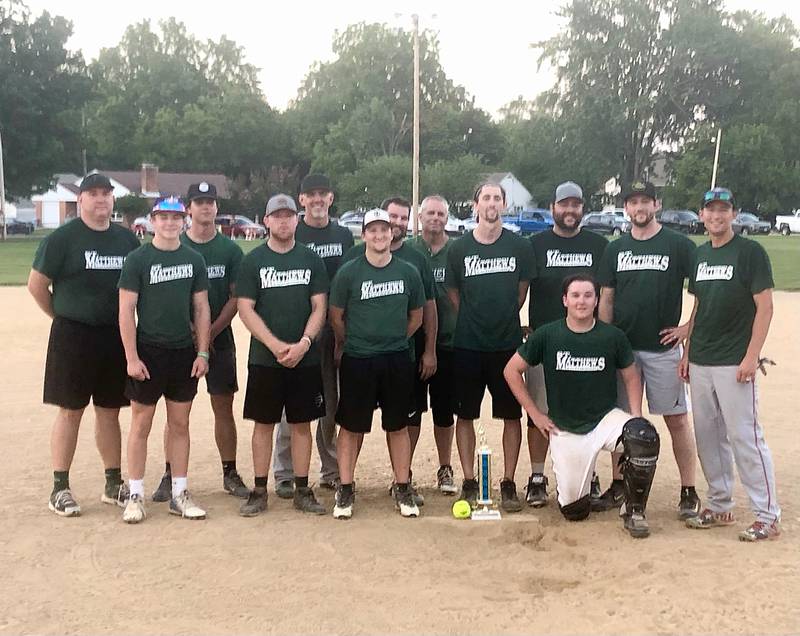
column 497, row 177
column 169, row 183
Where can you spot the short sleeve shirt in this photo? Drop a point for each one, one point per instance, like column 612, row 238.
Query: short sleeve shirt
column 724, row 281
column 376, row 302
column 410, row 255
column 580, row 371
column 330, row 243
column 487, row 278
column 556, row 258
column 84, row 265
column 647, row 277
column 282, row 286
column 165, row 282
column 223, row 258
column 444, row 306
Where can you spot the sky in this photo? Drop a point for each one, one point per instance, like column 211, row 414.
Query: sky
column 486, row 51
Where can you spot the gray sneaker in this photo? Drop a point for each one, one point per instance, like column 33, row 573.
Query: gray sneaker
column 256, row 503
column 469, row 491
column 404, row 501
column 233, row 484
column 305, row 501
column 116, row 494
column 536, row 491
column 444, row 480
column 689, row 505
column 64, row 504
column 508, row 496
column 164, row 491
column 636, row 525
column 285, row 488
column 185, row 507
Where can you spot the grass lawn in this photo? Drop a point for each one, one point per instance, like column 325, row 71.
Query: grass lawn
column 16, row 256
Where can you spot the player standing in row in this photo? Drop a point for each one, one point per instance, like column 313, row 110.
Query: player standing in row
column 424, row 340
column 282, row 291
column 163, row 316
column 435, row 245
column 375, row 307
column 330, row 241
column 222, row 257
column 642, row 275
column 581, row 357
column 81, row 261
column 488, row 273
column 732, row 284
column 565, row 250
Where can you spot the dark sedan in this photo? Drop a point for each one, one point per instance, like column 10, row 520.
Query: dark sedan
column 746, row 223
column 15, row 226
column 684, row 221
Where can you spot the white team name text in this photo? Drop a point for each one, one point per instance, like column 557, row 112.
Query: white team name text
column 565, row 361
column 476, row 266
column 97, row 261
column 557, row 258
column 271, row 277
column 438, row 274
column 713, row 272
column 377, row 290
column 326, row 250
column 160, row 274
column 628, row 262
column 216, row 271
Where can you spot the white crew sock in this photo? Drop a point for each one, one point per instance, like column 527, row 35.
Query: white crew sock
column 137, row 487
column 178, row 486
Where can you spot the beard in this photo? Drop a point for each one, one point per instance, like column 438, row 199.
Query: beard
column 560, row 221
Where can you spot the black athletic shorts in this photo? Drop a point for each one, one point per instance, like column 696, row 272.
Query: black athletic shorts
column 474, row 371
column 84, row 362
column 420, row 393
column 385, row 381
column 170, row 375
column 221, row 376
column 270, row 390
column 441, row 391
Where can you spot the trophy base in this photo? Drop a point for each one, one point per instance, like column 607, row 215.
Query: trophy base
column 485, row 514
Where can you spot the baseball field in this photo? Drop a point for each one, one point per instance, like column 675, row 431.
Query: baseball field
column 288, row 573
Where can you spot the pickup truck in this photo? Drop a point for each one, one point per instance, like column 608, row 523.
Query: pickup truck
column 788, row 223
column 531, row 221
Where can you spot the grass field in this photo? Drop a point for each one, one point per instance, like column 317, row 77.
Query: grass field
column 16, row 256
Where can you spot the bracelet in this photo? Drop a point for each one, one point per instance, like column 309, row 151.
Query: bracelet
column 203, row 354
column 307, row 337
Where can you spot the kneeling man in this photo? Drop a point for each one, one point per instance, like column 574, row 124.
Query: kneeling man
column 581, row 357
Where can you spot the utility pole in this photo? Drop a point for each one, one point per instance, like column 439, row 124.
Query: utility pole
column 2, row 191
column 716, row 160
column 415, row 161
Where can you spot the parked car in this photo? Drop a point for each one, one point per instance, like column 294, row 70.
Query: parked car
column 15, row 226
column 471, row 224
column 605, row 223
column 746, row 223
column 353, row 223
column 788, row 223
column 237, row 226
column 142, row 226
column 684, row 221
column 455, row 225
column 532, row 221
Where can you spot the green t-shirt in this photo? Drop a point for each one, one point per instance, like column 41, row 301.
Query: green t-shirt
column 330, row 243
column 580, row 371
column 84, row 265
column 282, row 286
column 647, row 278
column 556, row 258
column 487, row 278
column 724, row 280
column 444, row 307
column 410, row 255
column 222, row 257
column 165, row 282
column 376, row 303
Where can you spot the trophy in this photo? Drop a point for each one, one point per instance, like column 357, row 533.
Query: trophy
column 485, row 513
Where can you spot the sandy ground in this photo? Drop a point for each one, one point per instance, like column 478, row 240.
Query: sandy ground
column 287, row 573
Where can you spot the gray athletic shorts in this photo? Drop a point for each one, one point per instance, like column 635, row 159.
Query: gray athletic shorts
column 665, row 391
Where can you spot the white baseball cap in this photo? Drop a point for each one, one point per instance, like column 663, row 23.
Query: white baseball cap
column 375, row 215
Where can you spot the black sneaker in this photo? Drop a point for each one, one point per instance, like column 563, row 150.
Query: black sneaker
column 343, row 506
column 305, row 501
column 594, row 489
column 116, row 494
column 419, row 500
column 636, row 525
column 164, row 491
column 611, row 498
column 256, row 503
column 536, row 490
column 690, row 504
column 444, row 480
column 285, row 488
column 508, row 496
column 404, row 501
column 469, row 491
column 233, row 484
column 64, row 504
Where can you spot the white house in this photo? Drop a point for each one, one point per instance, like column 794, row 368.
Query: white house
column 517, row 195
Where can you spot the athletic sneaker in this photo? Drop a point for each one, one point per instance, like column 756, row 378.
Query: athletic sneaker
column 329, row 484
column 116, row 494
column 134, row 510
column 184, row 506
column 343, row 504
column 690, row 504
column 759, row 531
column 508, row 496
column 444, row 480
column 469, row 491
column 611, row 498
column 305, row 501
column 64, row 504
column 256, row 503
column 164, row 491
column 636, row 525
column 536, row 490
column 710, row 519
column 233, row 484
column 404, row 501
column 285, row 488
column 419, row 500
column 594, row 489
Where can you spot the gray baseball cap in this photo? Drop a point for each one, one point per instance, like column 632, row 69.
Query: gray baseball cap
column 280, row 202
column 568, row 190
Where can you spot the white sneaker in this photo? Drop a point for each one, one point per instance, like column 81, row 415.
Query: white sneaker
column 405, row 503
column 183, row 506
column 343, row 505
column 134, row 510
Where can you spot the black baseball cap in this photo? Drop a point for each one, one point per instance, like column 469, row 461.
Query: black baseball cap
column 640, row 187
column 315, row 182
column 95, row 180
column 202, row 190
column 719, row 194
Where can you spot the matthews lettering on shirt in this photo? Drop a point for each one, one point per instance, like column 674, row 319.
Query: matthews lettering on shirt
column 713, row 272
column 474, row 265
column 327, row 250
column 378, row 290
column 95, row 260
column 271, row 277
column 557, row 258
column 565, row 361
column 629, row 262
column 161, row 274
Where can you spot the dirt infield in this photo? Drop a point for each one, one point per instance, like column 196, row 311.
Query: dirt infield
column 287, row 573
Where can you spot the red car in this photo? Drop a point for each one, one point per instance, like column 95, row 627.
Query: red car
column 238, row 226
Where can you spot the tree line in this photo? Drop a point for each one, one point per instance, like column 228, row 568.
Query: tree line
column 635, row 80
